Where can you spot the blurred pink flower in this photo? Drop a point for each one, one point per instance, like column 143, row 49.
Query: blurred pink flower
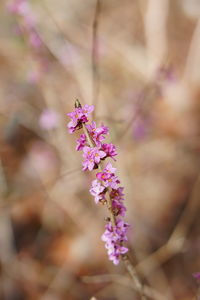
column 48, row 119
column 33, row 76
column 196, row 275
column 35, row 40
column 17, row 6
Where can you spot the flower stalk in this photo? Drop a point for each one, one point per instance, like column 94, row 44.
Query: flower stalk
column 109, row 201
column 105, row 188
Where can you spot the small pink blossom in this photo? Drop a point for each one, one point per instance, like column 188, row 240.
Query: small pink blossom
column 97, row 190
column 118, row 208
column 115, row 252
column 97, row 133
column 17, row 6
column 122, row 227
column 81, row 142
column 104, row 176
column 117, row 194
column 109, row 169
column 110, row 150
column 113, row 237
column 87, row 109
column 196, row 275
column 108, row 177
column 92, row 157
column 35, row 40
column 112, row 182
column 79, row 116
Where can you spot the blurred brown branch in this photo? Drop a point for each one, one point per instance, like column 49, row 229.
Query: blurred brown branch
column 119, row 279
column 95, row 58
column 176, row 242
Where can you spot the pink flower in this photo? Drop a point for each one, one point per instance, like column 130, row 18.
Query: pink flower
column 92, row 157
column 117, row 194
column 109, row 169
column 97, row 133
column 81, row 142
column 97, row 190
column 122, row 227
column 103, row 176
column 79, row 116
column 108, row 177
column 113, row 237
column 35, row 40
column 18, row 7
column 110, row 150
column 196, row 275
column 87, row 109
column 118, row 208
column 113, row 182
column 115, row 251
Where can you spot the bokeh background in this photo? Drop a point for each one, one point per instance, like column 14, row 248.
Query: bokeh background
column 138, row 63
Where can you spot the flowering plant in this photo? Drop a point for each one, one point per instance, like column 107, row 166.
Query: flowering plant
column 105, row 187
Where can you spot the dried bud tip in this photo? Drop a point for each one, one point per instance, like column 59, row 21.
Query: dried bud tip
column 107, row 219
column 77, row 104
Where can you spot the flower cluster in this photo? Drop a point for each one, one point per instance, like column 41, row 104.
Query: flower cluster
column 79, row 116
column 97, row 133
column 27, row 28
column 106, row 184
column 114, row 236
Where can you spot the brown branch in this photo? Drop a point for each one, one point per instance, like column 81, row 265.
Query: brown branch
column 122, row 280
column 95, row 72
column 177, row 239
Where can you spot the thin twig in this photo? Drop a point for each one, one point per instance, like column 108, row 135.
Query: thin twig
column 155, row 20
column 95, row 72
column 122, row 280
column 3, row 181
column 191, row 71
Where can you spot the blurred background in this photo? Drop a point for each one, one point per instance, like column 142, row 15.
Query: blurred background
column 138, row 63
